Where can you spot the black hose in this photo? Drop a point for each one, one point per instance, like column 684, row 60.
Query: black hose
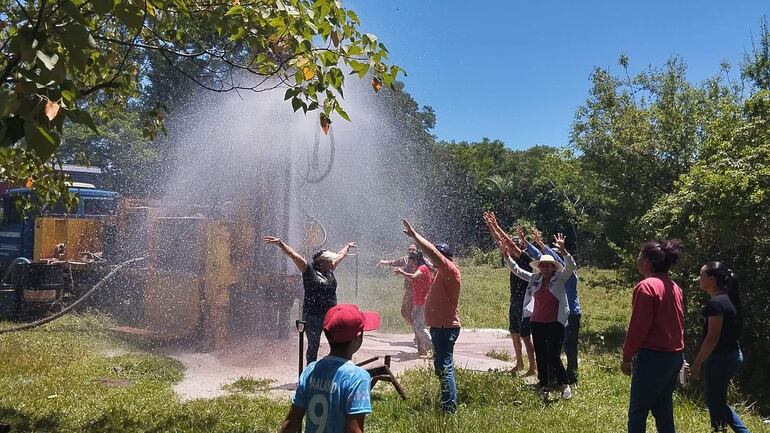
column 75, row 304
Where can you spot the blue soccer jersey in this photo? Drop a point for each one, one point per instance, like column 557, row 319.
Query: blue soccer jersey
column 329, row 390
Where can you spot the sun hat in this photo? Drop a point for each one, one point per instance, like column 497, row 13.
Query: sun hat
column 344, row 322
column 325, row 255
column 545, row 258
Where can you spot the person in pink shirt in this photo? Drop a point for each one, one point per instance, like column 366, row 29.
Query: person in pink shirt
column 419, row 283
column 654, row 344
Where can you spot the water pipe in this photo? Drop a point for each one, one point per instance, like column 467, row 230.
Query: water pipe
column 75, row 304
column 12, row 265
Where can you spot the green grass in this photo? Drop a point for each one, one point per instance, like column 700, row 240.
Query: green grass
column 502, row 355
column 249, row 385
column 62, row 378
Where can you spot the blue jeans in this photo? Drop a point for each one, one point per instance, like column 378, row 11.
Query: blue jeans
column 653, row 381
column 443, row 347
column 718, row 369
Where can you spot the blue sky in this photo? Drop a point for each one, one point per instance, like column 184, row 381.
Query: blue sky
column 517, row 70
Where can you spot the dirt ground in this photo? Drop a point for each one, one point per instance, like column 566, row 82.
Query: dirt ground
column 206, row 373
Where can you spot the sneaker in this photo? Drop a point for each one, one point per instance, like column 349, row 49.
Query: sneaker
column 566, row 392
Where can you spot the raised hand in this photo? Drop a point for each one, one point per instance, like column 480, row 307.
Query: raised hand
column 520, row 233
column 408, row 229
column 537, row 237
column 271, row 240
column 559, row 241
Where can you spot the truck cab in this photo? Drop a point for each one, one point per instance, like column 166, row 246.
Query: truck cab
column 32, row 237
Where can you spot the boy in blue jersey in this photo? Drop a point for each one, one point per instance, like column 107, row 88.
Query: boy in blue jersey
column 334, row 392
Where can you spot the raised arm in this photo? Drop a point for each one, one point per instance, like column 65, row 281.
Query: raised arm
column 298, row 260
column 407, row 275
column 568, row 260
column 427, row 248
column 507, row 246
column 343, row 253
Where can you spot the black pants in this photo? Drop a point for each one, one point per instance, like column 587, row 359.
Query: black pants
column 571, row 347
column 548, row 339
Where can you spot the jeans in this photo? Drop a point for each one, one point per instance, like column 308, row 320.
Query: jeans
column 313, row 330
column 548, row 339
column 571, row 347
column 420, row 333
column 653, row 381
column 443, row 347
column 718, row 369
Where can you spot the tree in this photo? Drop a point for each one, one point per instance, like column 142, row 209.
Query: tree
column 75, row 61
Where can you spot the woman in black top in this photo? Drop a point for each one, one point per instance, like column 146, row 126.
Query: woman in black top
column 720, row 356
column 320, row 288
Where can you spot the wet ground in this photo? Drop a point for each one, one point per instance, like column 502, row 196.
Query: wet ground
column 206, row 373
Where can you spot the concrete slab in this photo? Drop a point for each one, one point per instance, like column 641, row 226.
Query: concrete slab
column 206, row 373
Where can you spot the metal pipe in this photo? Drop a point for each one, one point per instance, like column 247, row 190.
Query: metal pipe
column 12, row 265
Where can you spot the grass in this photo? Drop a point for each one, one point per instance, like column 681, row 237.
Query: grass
column 65, row 377
column 249, row 385
column 502, row 355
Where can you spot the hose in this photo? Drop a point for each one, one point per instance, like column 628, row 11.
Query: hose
column 75, row 304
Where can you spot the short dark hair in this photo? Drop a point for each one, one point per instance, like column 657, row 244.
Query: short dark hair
column 662, row 254
column 336, row 345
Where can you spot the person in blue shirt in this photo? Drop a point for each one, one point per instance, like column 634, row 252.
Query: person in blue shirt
column 572, row 331
column 334, row 392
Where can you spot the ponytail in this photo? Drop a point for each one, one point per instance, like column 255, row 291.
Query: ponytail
column 662, row 255
column 728, row 282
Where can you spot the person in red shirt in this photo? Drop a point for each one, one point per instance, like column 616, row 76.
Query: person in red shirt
column 441, row 313
column 419, row 283
column 654, row 344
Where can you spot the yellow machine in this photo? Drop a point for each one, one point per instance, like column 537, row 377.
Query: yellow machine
column 199, row 281
column 66, row 238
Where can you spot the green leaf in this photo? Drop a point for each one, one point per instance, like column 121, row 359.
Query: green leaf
column 72, row 10
column 82, row 117
column 239, row 34
column 235, row 10
column 297, row 103
column 342, row 112
column 43, row 143
column 11, row 131
column 103, row 7
column 9, row 103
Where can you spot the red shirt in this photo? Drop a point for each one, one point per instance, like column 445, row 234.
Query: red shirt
column 546, row 305
column 421, row 286
column 657, row 317
column 441, row 303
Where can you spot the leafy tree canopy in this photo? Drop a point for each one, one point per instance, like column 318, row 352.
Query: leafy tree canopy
column 68, row 62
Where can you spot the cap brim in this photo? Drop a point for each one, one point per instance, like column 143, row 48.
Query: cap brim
column 372, row 320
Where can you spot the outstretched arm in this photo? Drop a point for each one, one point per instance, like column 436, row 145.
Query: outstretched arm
column 428, row 248
column 298, row 260
column 507, row 246
column 407, row 275
column 343, row 253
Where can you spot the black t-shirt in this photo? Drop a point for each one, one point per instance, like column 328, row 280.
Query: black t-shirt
column 519, row 286
column 320, row 291
column 720, row 305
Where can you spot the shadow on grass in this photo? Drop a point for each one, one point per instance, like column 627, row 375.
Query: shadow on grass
column 22, row 422
column 608, row 340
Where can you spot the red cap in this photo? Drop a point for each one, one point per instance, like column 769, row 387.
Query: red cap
column 344, row 322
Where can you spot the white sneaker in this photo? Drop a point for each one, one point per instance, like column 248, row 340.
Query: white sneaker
column 566, row 392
